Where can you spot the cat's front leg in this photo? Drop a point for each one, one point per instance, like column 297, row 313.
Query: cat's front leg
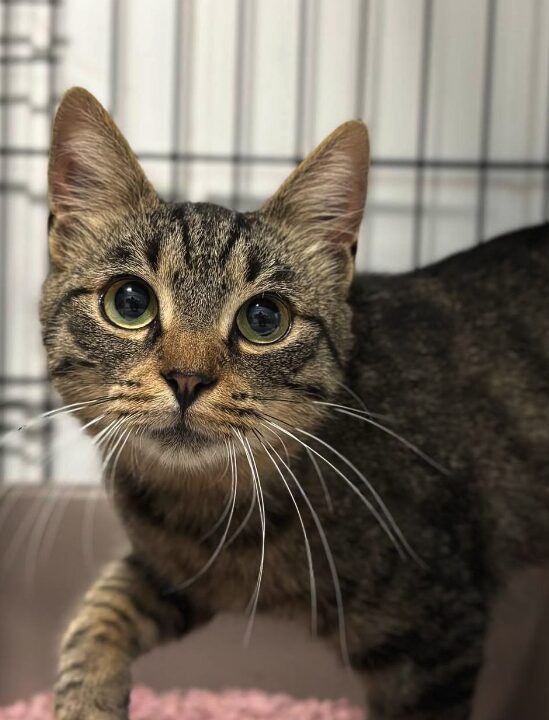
column 123, row 615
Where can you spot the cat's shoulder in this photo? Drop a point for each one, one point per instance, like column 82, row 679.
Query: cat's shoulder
column 511, row 249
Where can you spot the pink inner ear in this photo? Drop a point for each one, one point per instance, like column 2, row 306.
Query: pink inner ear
column 70, row 183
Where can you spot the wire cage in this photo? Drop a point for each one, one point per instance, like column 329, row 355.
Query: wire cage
column 221, row 98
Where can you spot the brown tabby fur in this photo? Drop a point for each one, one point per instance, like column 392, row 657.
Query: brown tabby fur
column 455, row 355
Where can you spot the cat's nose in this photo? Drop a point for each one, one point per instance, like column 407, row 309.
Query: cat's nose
column 186, row 386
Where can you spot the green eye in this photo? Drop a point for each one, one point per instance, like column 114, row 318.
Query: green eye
column 130, row 304
column 263, row 319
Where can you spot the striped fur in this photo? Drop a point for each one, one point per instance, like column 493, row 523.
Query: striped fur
column 453, row 358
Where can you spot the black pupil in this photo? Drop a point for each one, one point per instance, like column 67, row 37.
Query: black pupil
column 263, row 316
column 131, row 300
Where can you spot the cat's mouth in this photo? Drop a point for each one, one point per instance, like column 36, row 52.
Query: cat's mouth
column 185, row 435
column 180, row 444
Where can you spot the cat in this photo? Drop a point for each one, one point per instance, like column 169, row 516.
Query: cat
column 367, row 455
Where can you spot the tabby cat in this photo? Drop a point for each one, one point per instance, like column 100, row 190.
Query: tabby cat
column 369, row 456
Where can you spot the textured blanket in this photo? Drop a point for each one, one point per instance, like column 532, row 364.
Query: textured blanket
column 205, row 705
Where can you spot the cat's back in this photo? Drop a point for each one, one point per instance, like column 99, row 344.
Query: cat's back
column 457, row 354
column 493, row 288
column 477, row 322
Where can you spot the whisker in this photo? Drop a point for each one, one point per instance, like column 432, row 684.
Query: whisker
column 221, row 543
column 322, row 481
column 104, row 437
column 64, row 410
column 252, row 607
column 34, row 528
column 227, row 505
column 88, row 525
column 354, row 395
column 39, row 530
column 247, row 517
column 118, row 446
column 331, row 564
column 386, row 523
column 13, row 492
column 122, row 434
column 429, row 460
column 318, row 471
column 312, row 582
column 59, row 447
column 37, row 534
column 398, row 532
column 21, row 533
column 115, row 433
column 126, row 436
column 295, row 401
column 52, row 531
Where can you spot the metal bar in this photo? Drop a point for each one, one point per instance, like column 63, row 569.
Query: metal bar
column 387, row 162
column 301, row 68
column 176, row 97
column 32, row 2
column 114, row 56
column 361, row 57
column 15, row 39
column 315, row 9
column 4, row 141
column 545, row 196
column 486, row 121
column 48, row 430
column 22, row 380
column 427, row 32
column 241, row 14
column 360, row 85
column 14, row 100
column 26, row 39
column 48, row 57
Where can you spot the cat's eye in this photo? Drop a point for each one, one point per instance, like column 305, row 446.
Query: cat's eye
column 263, row 319
column 130, row 304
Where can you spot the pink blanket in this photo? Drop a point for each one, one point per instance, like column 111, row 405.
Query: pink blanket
column 204, row 705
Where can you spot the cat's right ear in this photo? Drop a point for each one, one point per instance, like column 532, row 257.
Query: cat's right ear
column 93, row 176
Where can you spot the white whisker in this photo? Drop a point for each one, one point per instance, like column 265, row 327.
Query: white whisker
column 221, row 544
column 104, row 437
column 321, row 479
column 247, row 517
column 312, row 582
column 37, row 535
column 252, row 607
column 382, row 521
column 227, row 504
column 429, row 460
column 331, row 564
column 354, row 395
column 64, row 410
column 390, row 519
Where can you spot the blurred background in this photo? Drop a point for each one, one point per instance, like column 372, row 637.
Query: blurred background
column 220, row 99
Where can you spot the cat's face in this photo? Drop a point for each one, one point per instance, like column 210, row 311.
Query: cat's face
column 189, row 323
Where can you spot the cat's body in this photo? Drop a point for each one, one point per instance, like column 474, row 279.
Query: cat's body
column 451, row 362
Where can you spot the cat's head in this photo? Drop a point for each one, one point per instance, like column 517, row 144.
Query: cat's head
column 190, row 324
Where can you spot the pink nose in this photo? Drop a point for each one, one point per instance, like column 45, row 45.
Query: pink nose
column 186, row 386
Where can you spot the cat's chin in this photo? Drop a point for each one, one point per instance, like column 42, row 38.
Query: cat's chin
column 178, row 445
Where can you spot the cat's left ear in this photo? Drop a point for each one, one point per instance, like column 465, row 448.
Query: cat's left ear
column 322, row 202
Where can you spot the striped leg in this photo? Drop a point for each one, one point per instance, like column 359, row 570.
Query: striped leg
column 123, row 615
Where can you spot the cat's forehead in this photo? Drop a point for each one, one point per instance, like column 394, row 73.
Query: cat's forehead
column 201, row 256
column 200, row 239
